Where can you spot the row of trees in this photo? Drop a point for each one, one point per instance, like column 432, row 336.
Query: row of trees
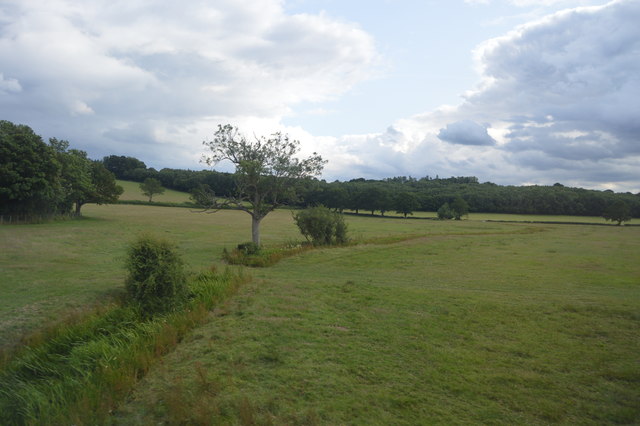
column 401, row 194
column 38, row 179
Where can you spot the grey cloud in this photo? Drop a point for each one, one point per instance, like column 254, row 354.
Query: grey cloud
column 580, row 67
column 466, row 132
column 167, row 68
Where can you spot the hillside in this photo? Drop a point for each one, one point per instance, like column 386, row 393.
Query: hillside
column 132, row 192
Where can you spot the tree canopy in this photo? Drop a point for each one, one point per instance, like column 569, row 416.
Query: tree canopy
column 48, row 179
column 266, row 171
column 618, row 211
column 151, row 187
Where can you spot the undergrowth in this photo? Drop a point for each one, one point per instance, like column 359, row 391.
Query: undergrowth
column 264, row 256
column 76, row 373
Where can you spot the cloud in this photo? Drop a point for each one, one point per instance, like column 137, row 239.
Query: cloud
column 562, row 96
column 466, row 132
column 87, row 70
column 9, row 85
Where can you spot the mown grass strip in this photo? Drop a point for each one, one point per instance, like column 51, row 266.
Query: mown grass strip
column 77, row 372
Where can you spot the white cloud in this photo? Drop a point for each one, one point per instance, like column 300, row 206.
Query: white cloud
column 125, row 66
column 9, row 85
column 562, row 96
column 153, row 79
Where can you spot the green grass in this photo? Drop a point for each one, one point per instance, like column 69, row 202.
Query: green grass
column 474, row 323
column 133, row 192
column 78, row 371
column 53, row 268
column 429, row 322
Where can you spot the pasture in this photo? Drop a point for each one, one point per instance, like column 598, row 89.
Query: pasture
column 132, row 192
column 421, row 322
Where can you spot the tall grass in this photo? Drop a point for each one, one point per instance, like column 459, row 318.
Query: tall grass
column 79, row 372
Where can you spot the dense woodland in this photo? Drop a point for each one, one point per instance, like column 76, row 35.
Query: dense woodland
column 399, row 194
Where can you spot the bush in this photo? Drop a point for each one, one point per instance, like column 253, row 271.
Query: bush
column 445, row 212
column 156, row 279
column 321, row 226
column 249, row 248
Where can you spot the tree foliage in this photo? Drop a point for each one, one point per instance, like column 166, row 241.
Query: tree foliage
column 406, row 203
column 29, row 172
column 321, row 226
column 41, row 179
column 156, row 280
column 266, row 171
column 151, row 187
column 619, row 212
column 460, row 208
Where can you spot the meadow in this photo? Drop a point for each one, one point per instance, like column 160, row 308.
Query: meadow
column 420, row 322
column 133, row 192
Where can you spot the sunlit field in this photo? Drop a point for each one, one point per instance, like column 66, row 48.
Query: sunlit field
column 132, row 191
column 422, row 321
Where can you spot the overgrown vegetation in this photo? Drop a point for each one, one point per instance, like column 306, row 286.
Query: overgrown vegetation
column 156, row 280
column 249, row 254
column 321, row 226
column 79, row 370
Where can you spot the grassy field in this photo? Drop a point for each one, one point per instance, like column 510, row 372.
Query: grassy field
column 132, row 192
column 442, row 322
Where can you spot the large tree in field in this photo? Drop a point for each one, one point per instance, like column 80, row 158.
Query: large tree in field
column 618, row 211
column 266, row 171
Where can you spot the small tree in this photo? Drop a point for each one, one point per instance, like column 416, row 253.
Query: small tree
column 156, row 280
column 459, row 207
column 266, row 171
column 151, row 187
column 445, row 212
column 321, row 226
column 619, row 212
column 406, row 203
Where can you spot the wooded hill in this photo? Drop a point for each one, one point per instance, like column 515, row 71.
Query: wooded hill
column 399, row 194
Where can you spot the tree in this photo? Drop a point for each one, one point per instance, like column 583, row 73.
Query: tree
column 266, row 171
column 29, row 172
column 406, row 203
column 445, row 212
column 618, row 211
column 151, row 187
column 121, row 166
column 75, row 175
column 459, row 207
column 83, row 180
column 103, row 190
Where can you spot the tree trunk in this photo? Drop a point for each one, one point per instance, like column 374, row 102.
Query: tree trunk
column 255, row 229
column 78, row 207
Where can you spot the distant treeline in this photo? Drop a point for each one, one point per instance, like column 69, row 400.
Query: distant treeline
column 399, row 194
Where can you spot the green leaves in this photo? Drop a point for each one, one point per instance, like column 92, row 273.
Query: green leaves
column 266, row 169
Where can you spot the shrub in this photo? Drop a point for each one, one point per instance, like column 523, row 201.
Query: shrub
column 445, row 212
column 249, row 248
column 321, row 226
column 156, row 279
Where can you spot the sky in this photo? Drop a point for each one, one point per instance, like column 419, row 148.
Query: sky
column 515, row 92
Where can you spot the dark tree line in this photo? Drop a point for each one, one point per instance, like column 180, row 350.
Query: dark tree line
column 403, row 195
column 40, row 179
